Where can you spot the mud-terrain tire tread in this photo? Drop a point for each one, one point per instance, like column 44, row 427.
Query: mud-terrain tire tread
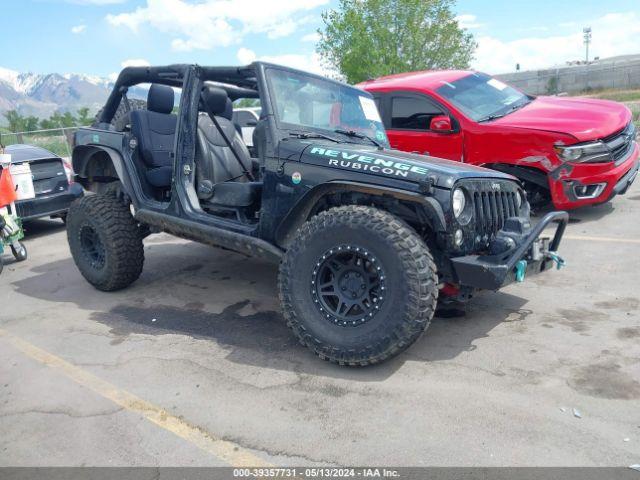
column 120, row 236
column 416, row 260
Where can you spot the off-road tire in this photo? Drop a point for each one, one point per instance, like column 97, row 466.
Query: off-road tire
column 116, row 190
column 116, row 231
column 411, row 285
column 121, row 116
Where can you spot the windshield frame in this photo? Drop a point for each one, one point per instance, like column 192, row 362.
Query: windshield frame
column 294, row 128
column 485, row 117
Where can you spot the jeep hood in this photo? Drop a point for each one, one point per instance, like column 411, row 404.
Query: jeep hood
column 583, row 118
column 370, row 160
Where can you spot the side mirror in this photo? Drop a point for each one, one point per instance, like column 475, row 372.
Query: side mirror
column 441, row 124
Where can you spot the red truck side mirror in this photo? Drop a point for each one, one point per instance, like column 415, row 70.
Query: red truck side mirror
column 441, row 123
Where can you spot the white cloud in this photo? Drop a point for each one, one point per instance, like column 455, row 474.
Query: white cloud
column 468, row 21
column 306, row 62
column 135, row 62
column 246, row 56
column 613, row 34
column 213, row 23
column 311, row 37
column 130, row 62
column 78, row 29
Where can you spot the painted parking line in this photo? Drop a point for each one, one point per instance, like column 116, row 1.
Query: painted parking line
column 227, row 451
column 586, row 238
column 603, row 239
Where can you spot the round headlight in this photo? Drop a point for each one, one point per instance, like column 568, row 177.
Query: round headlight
column 458, row 201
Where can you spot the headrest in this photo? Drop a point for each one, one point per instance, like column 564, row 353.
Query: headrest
column 160, row 98
column 228, row 110
column 215, row 100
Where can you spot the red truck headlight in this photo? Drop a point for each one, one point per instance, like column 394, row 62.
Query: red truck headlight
column 595, row 152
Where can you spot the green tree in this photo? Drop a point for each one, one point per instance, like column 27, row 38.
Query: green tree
column 84, row 118
column 30, row 123
column 47, row 123
column 365, row 39
column 246, row 103
column 16, row 121
column 68, row 120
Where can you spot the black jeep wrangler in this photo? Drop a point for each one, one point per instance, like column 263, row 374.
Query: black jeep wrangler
column 366, row 237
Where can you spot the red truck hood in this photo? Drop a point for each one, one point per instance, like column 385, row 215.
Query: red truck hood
column 584, row 118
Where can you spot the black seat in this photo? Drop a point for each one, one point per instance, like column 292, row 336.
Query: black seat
column 220, row 175
column 154, row 129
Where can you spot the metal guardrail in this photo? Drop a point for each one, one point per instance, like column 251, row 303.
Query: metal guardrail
column 56, row 140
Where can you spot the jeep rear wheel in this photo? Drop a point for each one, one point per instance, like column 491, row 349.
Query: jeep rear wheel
column 105, row 242
column 357, row 285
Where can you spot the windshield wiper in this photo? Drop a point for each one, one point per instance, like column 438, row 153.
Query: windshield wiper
column 519, row 106
column 500, row 115
column 313, row 135
column 491, row 117
column 352, row 133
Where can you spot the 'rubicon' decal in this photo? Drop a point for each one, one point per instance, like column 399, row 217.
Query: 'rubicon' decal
column 374, row 164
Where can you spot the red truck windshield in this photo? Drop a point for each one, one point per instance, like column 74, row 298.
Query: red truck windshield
column 482, row 97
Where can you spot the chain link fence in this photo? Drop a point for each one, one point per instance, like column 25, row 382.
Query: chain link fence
column 56, row 140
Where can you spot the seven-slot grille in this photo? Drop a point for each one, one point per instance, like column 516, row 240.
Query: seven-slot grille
column 491, row 202
column 491, row 209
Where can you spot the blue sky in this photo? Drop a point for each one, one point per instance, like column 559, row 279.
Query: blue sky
column 96, row 37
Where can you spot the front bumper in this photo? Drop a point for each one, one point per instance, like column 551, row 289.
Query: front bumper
column 48, row 205
column 615, row 178
column 491, row 272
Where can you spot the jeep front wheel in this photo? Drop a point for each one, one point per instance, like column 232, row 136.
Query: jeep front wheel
column 357, row 285
column 105, row 242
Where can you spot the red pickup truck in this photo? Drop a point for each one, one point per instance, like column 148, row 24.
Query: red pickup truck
column 573, row 151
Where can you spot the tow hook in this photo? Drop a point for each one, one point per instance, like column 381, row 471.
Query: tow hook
column 559, row 261
column 521, row 270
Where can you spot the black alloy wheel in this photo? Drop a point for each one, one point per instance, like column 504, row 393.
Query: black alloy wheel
column 92, row 247
column 348, row 285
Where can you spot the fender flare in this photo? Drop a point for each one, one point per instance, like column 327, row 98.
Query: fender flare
column 83, row 156
column 300, row 213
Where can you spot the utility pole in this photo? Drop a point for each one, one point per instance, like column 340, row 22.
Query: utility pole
column 586, row 31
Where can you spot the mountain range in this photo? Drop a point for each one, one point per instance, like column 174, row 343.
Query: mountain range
column 43, row 94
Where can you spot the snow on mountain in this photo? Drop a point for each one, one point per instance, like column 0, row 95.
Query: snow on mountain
column 43, row 94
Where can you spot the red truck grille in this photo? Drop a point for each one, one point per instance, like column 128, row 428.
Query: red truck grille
column 621, row 143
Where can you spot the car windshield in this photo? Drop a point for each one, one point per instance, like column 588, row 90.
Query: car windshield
column 482, row 97
column 302, row 102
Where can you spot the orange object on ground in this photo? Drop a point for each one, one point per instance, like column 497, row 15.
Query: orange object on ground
column 7, row 188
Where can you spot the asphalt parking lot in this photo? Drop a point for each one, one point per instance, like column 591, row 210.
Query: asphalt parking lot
column 193, row 365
